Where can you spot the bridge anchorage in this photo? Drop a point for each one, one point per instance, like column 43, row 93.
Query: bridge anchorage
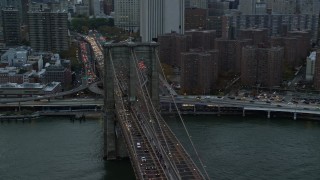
column 133, row 126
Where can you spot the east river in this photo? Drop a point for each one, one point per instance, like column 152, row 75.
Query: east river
column 230, row 147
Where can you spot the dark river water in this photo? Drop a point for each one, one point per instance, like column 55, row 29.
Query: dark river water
column 230, row 148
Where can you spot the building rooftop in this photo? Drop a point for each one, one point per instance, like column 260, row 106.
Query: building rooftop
column 51, row 86
column 21, row 86
column 8, row 69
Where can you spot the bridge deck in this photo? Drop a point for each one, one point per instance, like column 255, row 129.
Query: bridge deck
column 131, row 78
column 179, row 156
column 143, row 157
column 173, row 158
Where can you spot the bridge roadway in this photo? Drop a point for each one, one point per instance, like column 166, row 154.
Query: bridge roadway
column 245, row 105
column 154, row 151
column 168, row 148
column 58, row 103
column 92, row 87
column 214, row 101
column 143, row 158
column 48, row 96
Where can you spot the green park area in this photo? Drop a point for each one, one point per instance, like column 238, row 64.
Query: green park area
column 104, row 26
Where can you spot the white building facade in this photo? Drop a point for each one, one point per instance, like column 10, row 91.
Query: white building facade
column 159, row 17
column 310, row 66
column 127, row 14
column 250, row 7
column 294, row 6
column 196, row 4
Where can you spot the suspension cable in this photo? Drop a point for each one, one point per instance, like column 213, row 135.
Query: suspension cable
column 118, row 84
column 122, row 104
column 154, row 111
column 182, row 121
column 144, row 97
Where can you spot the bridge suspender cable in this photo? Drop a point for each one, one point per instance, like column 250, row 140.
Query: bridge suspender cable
column 182, row 121
column 123, row 107
column 154, row 111
column 148, row 95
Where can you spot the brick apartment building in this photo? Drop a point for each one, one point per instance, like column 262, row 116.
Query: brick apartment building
column 195, row 18
column 171, row 45
column 258, row 36
column 199, row 71
column 316, row 80
column 262, row 66
column 203, row 39
column 230, row 53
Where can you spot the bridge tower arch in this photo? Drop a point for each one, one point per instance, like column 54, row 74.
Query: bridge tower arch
column 127, row 59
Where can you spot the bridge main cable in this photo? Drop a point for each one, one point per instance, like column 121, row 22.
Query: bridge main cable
column 182, row 121
column 128, row 137
column 140, row 85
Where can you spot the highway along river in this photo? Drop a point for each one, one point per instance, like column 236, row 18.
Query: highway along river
column 231, row 148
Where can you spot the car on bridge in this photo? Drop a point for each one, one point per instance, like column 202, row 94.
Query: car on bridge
column 138, row 145
column 143, row 159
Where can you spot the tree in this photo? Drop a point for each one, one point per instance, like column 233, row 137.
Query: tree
column 77, row 24
column 95, row 23
column 288, row 73
column 71, row 54
column 167, row 69
column 83, row 24
column 25, row 42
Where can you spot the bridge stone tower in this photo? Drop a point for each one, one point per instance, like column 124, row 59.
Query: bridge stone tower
column 123, row 60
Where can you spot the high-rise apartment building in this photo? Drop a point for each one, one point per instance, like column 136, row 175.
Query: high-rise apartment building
column 82, row 9
column 283, row 6
column 303, row 43
column 61, row 5
column 127, row 14
column 171, row 47
column 203, row 39
column 196, row 4
column 227, row 54
column 24, row 11
column 160, row 16
column 11, row 26
column 261, row 66
column 296, row 47
column 37, row 6
column 258, row 36
column 217, row 8
column 309, row 6
column 239, row 44
column 230, row 53
column 274, row 23
column 216, row 23
column 249, row 7
column 196, row 18
column 294, row 6
column 12, row 3
column 96, row 9
column 199, row 71
column 291, row 47
column 48, row 31
column 108, row 6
